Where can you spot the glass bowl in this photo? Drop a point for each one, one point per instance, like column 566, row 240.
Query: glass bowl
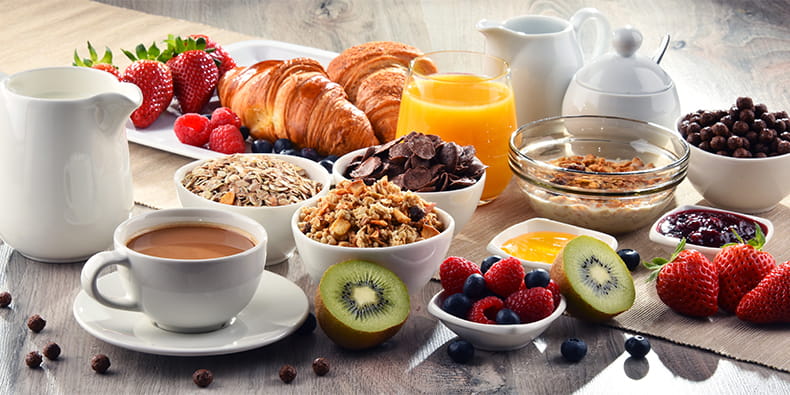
column 606, row 198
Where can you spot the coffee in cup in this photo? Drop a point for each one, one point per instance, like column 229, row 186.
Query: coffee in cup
column 188, row 270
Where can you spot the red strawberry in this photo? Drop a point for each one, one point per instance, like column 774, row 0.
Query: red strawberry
column 104, row 63
column 226, row 139
column 505, row 276
column 484, row 310
column 531, row 304
column 192, row 129
column 154, row 80
column 216, row 51
column 740, row 268
column 769, row 301
column 687, row 283
column 555, row 292
column 195, row 74
column 453, row 273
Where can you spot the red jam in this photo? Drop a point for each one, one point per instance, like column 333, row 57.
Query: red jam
column 708, row 228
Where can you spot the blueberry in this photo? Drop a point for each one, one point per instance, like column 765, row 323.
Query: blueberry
column 289, row 151
column 637, row 346
column 281, row 145
column 630, row 257
column 333, row 158
column 309, row 153
column 308, row 326
column 328, row 164
column 537, row 278
column 457, row 305
column 507, row 317
column 461, row 351
column 573, row 350
column 475, row 286
column 488, row 262
column 245, row 132
column 262, row 146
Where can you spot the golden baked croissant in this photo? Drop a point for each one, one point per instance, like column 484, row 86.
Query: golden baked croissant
column 374, row 74
column 295, row 99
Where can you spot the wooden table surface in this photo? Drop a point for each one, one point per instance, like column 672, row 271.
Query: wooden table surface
column 719, row 50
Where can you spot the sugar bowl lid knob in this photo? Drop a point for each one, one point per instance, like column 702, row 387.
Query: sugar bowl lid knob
column 627, row 41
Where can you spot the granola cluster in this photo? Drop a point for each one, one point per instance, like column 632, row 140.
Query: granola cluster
column 380, row 215
column 251, row 180
column 592, row 163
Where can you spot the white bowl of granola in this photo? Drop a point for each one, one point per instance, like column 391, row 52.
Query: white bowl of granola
column 378, row 223
column 268, row 188
column 614, row 175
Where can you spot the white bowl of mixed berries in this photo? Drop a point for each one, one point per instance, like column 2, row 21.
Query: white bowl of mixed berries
column 496, row 306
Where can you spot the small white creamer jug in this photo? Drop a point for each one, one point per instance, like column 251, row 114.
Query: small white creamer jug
column 64, row 161
column 544, row 53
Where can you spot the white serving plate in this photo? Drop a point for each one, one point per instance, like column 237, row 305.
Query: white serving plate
column 160, row 134
column 538, row 225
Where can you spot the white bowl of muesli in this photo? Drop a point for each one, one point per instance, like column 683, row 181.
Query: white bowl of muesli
column 379, row 223
column 614, row 175
column 268, row 188
column 449, row 175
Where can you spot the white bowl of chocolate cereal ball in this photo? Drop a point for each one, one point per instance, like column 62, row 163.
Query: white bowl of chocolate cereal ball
column 610, row 174
column 268, row 188
column 739, row 156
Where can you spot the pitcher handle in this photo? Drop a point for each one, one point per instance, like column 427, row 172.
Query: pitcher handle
column 90, row 276
column 602, row 30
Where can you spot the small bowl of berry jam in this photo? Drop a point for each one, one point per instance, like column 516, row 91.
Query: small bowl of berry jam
column 706, row 229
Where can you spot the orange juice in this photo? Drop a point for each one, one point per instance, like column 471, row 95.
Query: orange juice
column 468, row 110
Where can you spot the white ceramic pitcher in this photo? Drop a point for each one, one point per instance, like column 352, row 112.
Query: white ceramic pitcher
column 543, row 53
column 64, row 161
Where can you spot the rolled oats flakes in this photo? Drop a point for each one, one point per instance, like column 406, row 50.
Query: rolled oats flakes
column 251, row 180
column 381, row 215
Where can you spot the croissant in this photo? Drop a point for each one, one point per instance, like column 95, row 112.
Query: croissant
column 374, row 74
column 295, row 99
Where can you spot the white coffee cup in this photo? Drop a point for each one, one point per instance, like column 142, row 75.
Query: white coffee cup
column 181, row 295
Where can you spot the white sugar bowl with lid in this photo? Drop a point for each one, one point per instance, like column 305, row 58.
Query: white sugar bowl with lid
column 624, row 84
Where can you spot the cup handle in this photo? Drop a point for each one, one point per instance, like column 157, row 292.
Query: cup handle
column 90, row 276
column 603, row 32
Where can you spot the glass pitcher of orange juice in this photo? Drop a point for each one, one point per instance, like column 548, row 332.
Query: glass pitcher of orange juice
column 465, row 97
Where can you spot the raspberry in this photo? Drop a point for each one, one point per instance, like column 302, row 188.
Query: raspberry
column 223, row 116
column 505, row 277
column 484, row 310
column 555, row 291
column 226, row 139
column 453, row 273
column 192, row 129
column 531, row 304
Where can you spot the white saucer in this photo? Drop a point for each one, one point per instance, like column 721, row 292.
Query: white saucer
column 277, row 309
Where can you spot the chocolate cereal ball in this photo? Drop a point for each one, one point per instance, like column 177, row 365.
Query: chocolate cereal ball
column 100, row 363
column 202, row 377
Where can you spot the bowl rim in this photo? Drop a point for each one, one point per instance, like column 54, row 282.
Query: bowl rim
column 679, row 164
column 338, row 174
column 326, row 181
column 495, row 245
column 670, row 241
column 435, row 309
column 444, row 215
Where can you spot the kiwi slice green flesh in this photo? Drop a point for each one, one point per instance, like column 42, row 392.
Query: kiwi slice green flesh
column 360, row 304
column 594, row 279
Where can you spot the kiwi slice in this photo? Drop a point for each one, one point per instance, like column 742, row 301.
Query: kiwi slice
column 595, row 281
column 360, row 304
